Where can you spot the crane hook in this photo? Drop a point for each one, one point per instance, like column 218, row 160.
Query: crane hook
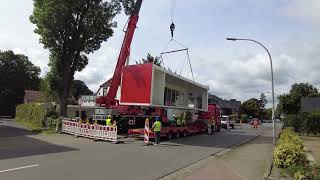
column 172, row 28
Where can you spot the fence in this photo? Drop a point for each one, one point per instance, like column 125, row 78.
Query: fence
column 95, row 131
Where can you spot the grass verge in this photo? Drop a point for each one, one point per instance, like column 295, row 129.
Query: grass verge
column 35, row 128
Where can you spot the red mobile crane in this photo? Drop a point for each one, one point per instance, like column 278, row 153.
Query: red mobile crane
column 109, row 100
column 130, row 113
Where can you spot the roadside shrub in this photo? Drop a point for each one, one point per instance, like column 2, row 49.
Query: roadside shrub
column 311, row 124
column 31, row 113
column 36, row 114
column 293, row 120
column 300, row 175
column 289, row 150
column 306, row 171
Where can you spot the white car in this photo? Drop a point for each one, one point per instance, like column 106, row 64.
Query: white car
column 225, row 121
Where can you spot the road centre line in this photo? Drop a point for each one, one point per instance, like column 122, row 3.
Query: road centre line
column 23, row 167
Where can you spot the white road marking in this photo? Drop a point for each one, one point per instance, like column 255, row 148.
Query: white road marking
column 24, row 167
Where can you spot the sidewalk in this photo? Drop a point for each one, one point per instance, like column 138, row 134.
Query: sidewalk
column 313, row 145
column 249, row 161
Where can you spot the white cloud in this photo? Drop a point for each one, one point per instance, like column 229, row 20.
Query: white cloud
column 100, row 67
column 305, row 10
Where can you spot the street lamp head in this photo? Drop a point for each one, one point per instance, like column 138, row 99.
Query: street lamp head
column 231, row 39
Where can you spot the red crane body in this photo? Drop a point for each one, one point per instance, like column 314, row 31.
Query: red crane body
column 123, row 56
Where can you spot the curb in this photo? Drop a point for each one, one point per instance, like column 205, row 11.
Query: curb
column 200, row 163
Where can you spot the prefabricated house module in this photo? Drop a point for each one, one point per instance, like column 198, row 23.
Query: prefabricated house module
column 152, row 85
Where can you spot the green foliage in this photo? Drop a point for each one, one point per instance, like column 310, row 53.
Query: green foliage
column 311, row 123
column 269, row 113
column 150, row 59
column 244, row 118
column 278, row 111
column 289, row 150
column 251, row 107
column 48, row 89
column 308, row 123
column 128, row 6
column 17, row 74
column 70, row 30
column 294, row 121
column 305, row 171
column 32, row 113
column 300, row 175
column 80, row 88
column 263, row 101
column 291, row 103
column 37, row 116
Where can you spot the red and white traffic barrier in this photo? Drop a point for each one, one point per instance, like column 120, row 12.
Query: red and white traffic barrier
column 107, row 133
column 146, row 131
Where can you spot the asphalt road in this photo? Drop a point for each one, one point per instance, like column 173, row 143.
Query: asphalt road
column 24, row 155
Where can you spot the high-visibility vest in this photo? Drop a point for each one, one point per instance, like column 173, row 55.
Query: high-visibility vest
column 178, row 121
column 108, row 122
column 184, row 119
column 157, row 126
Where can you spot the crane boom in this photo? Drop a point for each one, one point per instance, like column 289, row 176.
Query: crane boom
column 123, row 56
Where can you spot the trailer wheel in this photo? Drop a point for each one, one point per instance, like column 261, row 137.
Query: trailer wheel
column 169, row 135
column 184, row 134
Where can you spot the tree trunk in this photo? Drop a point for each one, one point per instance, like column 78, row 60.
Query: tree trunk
column 63, row 105
column 65, row 90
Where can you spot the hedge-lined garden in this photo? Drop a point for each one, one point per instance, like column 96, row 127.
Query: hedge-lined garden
column 36, row 116
column 305, row 123
column 290, row 155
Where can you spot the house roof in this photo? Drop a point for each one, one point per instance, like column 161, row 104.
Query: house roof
column 107, row 83
column 225, row 104
column 32, row 96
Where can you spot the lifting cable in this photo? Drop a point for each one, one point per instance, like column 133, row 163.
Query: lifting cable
column 172, row 28
column 175, row 51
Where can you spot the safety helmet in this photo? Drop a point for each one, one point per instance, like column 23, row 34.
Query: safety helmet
column 157, row 118
column 109, row 116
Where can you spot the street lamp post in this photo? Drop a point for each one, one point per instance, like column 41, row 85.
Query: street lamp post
column 272, row 84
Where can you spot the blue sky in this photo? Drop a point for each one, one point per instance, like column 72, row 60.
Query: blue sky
column 289, row 28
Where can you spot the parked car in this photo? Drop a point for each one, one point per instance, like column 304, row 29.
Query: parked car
column 225, row 121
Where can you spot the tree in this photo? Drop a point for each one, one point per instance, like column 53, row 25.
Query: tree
column 71, row 29
column 48, row 89
column 17, row 74
column 269, row 113
column 80, row 88
column 251, row 107
column 291, row 102
column 263, row 101
column 150, row 59
column 278, row 111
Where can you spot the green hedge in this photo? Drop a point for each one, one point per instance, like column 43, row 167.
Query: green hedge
column 37, row 116
column 308, row 123
column 32, row 113
column 289, row 150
